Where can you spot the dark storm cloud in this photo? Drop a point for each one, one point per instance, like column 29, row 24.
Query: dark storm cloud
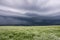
column 29, row 11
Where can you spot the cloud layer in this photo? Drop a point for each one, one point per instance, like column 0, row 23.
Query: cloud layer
column 39, row 6
column 29, row 9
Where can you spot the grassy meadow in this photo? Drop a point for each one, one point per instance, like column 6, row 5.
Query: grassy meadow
column 29, row 32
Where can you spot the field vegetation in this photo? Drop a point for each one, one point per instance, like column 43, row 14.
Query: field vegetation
column 29, row 32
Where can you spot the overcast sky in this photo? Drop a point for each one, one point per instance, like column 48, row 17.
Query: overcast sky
column 41, row 7
column 29, row 11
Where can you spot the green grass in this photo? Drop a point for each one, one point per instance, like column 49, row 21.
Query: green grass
column 29, row 32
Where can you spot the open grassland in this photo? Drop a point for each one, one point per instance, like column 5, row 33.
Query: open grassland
column 29, row 32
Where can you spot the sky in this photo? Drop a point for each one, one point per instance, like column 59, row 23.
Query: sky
column 22, row 8
column 42, row 7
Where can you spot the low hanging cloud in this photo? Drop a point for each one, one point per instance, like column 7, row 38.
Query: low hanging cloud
column 31, row 10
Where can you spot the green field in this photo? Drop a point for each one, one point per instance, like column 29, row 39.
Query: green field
column 29, row 32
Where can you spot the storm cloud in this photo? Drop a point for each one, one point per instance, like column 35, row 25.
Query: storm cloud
column 34, row 12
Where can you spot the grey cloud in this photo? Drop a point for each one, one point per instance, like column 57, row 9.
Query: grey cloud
column 29, row 12
column 32, row 19
column 34, row 5
column 24, row 4
column 10, row 20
